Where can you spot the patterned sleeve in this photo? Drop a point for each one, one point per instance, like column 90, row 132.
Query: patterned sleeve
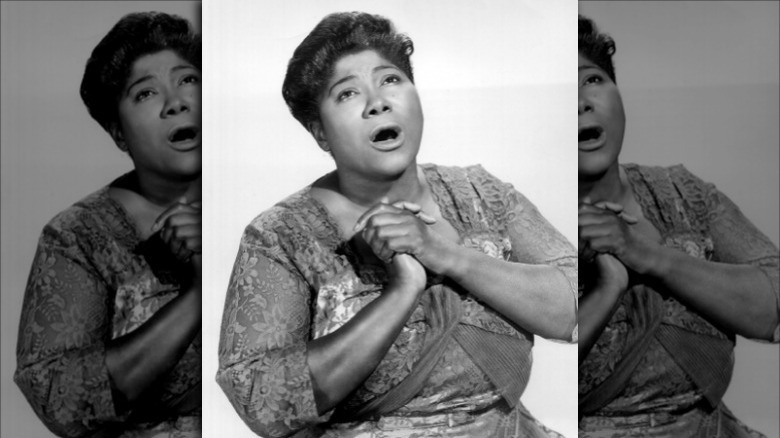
column 60, row 351
column 534, row 240
column 265, row 328
column 735, row 239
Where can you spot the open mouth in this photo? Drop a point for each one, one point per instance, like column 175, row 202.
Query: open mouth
column 589, row 134
column 385, row 134
column 183, row 134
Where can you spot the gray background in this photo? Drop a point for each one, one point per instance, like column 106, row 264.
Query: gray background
column 52, row 152
column 699, row 82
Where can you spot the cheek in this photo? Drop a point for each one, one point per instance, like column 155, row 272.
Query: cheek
column 139, row 124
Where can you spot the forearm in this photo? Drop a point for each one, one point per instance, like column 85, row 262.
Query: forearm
column 138, row 359
column 538, row 298
column 738, row 298
column 342, row 360
column 595, row 309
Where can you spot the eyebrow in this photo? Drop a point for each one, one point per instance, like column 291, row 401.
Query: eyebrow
column 350, row 77
column 586, row 67
column 147, row 77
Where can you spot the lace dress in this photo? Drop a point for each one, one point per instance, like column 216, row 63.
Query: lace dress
column 91, row 282
column 684, row 364
column 295, row 279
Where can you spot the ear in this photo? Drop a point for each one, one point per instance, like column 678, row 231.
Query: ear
column 119, row 137
column 315, row 128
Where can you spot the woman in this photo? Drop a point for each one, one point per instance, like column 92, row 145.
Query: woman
column 672, row 272
column 367, row 304
column 109, row 339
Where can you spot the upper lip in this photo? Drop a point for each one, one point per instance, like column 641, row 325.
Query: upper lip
column 585, row 127
column 190, row 126
column 374, row 132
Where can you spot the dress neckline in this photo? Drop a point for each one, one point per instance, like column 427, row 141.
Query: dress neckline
column 434, row 181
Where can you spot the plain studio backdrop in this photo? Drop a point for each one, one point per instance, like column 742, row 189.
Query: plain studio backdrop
column 699, row 82
column 497, row 85
column 53, row 152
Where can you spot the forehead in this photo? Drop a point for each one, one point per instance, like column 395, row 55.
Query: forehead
column 159, row 62
column 357, row 63
column 584, row 63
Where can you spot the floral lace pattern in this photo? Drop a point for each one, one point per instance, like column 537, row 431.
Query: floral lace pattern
column 697, row 219
column 88, row 285
column 295, row 280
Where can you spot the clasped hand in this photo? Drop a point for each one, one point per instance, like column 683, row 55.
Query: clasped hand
column 604, row 238
column 400, row 235
column 604, row 228
column 180, row 229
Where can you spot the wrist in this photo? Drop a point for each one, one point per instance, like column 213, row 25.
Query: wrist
column 403, row 289
column 449, row 260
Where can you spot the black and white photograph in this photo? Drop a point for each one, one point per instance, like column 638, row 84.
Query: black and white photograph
column 678, row 218
column 101, row 229
column 317, row 320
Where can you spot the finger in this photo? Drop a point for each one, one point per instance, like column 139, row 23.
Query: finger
column 631, row 220
column 614, row 207
column 388, row 215
column 380, row 250
column 417, row 210
column 586, row 200
column 194, row 244
column 596, row 217
column 181, row 218
column 378, row 208
column 588, row 208
column 404, row 244
column 406, row 205
column 182, row 202
column 187, row 231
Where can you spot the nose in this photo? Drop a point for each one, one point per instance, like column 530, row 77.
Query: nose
column 376, row 105
column 175, row 103
column 584, row 104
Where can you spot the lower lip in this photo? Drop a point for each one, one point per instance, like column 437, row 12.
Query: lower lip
column 186, row 145
column 389, row 145
column 592, row 145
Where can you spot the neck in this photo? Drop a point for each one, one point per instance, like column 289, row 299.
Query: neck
column 609, row 186
column 366, row 192
column 164, row 192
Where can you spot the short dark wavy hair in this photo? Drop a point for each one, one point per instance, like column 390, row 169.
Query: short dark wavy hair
column 111, row 62
column 597, row 47
column 336, row 36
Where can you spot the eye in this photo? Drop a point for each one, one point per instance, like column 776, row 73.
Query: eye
column 190, row 79
column 593, row 79
column 144, row 94
column 392, row 79
column 346, row 94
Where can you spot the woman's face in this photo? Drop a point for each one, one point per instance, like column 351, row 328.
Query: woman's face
column 370, row 117
column 159, row 117
column 601, row 120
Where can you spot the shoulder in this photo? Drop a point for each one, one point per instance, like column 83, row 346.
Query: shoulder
column 296, row 215
column 471, row 180
column 83, row 218
column 474, row 173
column 676, row 174
column 674, row 186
